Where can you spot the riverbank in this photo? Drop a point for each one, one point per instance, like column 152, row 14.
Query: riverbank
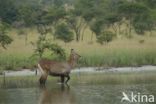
column 84, row 76
column 28, row 72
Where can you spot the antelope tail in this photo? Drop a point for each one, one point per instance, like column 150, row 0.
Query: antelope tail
column 40, row 69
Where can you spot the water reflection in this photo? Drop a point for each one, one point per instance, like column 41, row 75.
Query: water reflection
column 61, row 95
column 78, row 94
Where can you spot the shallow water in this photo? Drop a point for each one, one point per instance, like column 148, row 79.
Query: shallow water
column 75, row 94
column 28, row 72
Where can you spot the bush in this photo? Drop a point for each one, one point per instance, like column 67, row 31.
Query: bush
column 64, row 33
column 106, row 37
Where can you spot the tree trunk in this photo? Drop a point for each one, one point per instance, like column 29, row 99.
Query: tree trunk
column 77, row 37
column 26, row 39
column 130, row 29
column 92, row 36
column 83, row 32
column 82, row 36
column 115, row 29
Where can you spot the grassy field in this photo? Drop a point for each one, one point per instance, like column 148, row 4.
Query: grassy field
column 83, row 78
column 140, row 50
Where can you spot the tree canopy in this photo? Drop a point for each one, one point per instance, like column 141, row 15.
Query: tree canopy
column 97, row 15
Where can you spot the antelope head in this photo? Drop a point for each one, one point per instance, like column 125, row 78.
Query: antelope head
column 74, row 57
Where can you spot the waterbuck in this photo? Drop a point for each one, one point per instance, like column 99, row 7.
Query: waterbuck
column 56, row 68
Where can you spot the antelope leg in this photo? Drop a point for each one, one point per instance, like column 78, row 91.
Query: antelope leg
column 68, row 78
column 62, row 78
column 43, row 79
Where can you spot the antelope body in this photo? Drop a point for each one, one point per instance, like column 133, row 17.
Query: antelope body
column 56, row 68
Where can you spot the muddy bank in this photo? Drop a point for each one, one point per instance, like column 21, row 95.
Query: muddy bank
column 28, row 72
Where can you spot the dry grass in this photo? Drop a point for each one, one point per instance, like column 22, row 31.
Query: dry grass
column 84, row 47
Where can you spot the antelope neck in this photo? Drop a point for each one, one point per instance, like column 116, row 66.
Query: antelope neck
column 71, row 62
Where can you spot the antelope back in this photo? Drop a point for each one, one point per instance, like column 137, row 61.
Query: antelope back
column 51, row 66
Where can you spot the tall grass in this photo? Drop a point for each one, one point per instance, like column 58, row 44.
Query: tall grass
column 16, row 62
column 120, row 52
column 119, row 58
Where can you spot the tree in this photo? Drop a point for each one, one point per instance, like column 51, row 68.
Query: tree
column 76, row 23
column 30, row 14
column 147, row 21
column 4, row 38
column 53, row 16
column 87, row 10
column 133, row 12
column 149, row 3
column 54, row 49
column 143, row 23
column 8, row 11
column 97, row 26
column 113, row 21
column 106, row 37
column 64, row 33
column 99, row 14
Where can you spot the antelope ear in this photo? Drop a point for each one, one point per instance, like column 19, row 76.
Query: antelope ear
column 72, row 50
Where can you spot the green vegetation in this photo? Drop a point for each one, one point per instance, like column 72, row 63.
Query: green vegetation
column 106, row 37
column 16, row 62
column 32, row 29
column 120, row 52
column 64, row 33
column 4, row 38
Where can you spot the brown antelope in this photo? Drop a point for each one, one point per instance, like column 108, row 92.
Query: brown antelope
column 58, row 69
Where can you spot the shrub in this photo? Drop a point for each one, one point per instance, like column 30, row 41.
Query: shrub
column 105, row 37
column 64, row 33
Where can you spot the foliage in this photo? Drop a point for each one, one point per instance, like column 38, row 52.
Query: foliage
column 76, row 23
column 112, row 18
column 53, row 15
column 142, row 24
column 106, row 37
column 8, row 11
column 30, row 14
column 4, row 38
column 98, row 15
column 96, row 27
column 139, row 16
column 149, row 3
column 64, row 33
column 42, row 45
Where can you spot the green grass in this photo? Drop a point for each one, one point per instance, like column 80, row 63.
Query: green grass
column 16, row 62
column 83, row 78
column 120, row 52
column 119, row 58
